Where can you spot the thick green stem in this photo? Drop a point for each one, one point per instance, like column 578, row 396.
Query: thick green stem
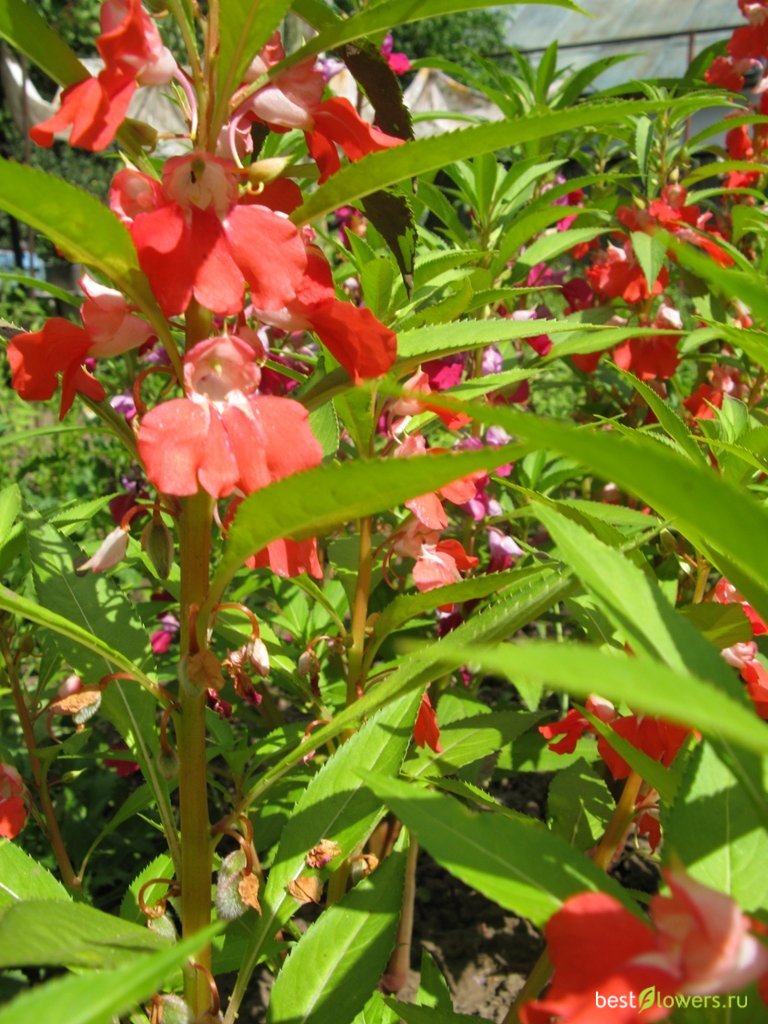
column 196, row 846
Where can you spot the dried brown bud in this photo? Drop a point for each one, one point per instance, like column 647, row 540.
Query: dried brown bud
column 81, row 705
column 248, row 888
column 308, row 666
column 363, row 866
column 322, row 853
column 306, row 889
column 202, row 671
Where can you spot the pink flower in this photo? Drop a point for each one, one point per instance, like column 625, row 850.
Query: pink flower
column 107, row 317
column 13, row 811
column 441, row 564
column 223, row 436
column 698, row 943
column 194, row 239
column 130, row 41
column 398, row 62
column 111, row 551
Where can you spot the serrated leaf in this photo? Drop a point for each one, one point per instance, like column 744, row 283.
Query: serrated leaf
column 650, row 252
column 339, row 960
column 526, row 870
column 470, row 739
column 383, row 169
column 22, row 878
column 97, row 997
column 83, row 229
column 579, row 805
column 38, row 932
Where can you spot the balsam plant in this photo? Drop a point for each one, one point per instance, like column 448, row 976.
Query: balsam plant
column 382, row 422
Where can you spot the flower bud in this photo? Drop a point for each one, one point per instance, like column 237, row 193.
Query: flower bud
column 263, row 171
column 308, row 667
column 174, row 1010
column 168, row 764
column 163, row 925
column 258, row 656
column 72, row 684
column 157, row 541
column 111, row 551
column 236, row 891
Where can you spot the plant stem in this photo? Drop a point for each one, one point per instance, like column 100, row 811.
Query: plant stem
column 355, row 677
column 39, row 773
column 612, row 841
column 396, row 974
column 196, row 846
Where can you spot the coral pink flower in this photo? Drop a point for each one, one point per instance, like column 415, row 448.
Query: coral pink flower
column 13, row 811
column 652, row 357
column 428, row 508
column 574, row 725
column 699, row 943
column 294, row 100
column 111, row 326
column 441, row 564
column 133, row 55
column 289, row 558
column 194, row 239
column 353, row 335
column 725, row 593
column 616, row 273
column 37, row 359
column 93, row 109
column 426, row 731
column 223, row 437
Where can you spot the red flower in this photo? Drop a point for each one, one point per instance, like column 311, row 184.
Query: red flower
column 660, row 740
column 337, row 123
column 617, row 274
column 426, row 730
column 13, row 811
column 287, row 558
column 725, row 593
column 195, row 240
column 353, row 335
column 37, row 359
column 649, row 358
column 756, row 678
column 428, row 508
column 224, row 437
column 722, row 74
column 439, row 564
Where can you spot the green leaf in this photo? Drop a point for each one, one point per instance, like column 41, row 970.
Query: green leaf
column 729, row 853
column 579, row 805
column 315, row 501
column 333, row 806
column 643, row 146
column 38, row 932
column 666, row 416
column 548, row 247
column 22, row 878
column 325, row 426
column 340, row 959
column 527, row 870
column 82, row 228
column 634, row 602
column 646, row 685
column 723, row 625
column 380, row 170
column 650, row 252
column 433, row 988
column 10, row 509
column 718, row 517
column 74, row 633
column 244, row 28
column 30, row 34
column 412, row 1013
column 97, row 997
column 382, row 16
column 159, row 867
column 470, row 739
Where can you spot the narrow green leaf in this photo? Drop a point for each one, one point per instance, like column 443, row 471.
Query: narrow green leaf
column 22, row 878
column 667, row 417
column 340, row 959
column 722, row 624
column 30, row 34
column 38, row 932
column 579, row 805
column 83, row 229
column 647, row 686
column 97, row 997
column 380, row 170
column 527, row 870
column 411, row 1013
column 470, row 739
column 650, row 252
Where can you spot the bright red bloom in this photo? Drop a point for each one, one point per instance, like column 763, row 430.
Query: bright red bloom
column 426, row 731
column 294, row 100
column 725, row 593
column 574, row 725
column 652, row 357
column 134, row 55
column 223, row 437
column 37, row 359
column 722, row 74
column 13, row 811
column 699, row 404
column 755, row 676
column 94, row 109
column 660, row 740
column 288, row 558
column 749, row 41
column 699, row 943
column 194, row 239
column 616, row 273
column 352, row 334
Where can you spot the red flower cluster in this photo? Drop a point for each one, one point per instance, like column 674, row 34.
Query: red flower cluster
column 747, row 48
column 13, row 810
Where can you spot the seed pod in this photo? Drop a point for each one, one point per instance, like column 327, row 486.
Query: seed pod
column 236, row 891
column 322, row 853
column 157, row 541
column 174, row 1010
